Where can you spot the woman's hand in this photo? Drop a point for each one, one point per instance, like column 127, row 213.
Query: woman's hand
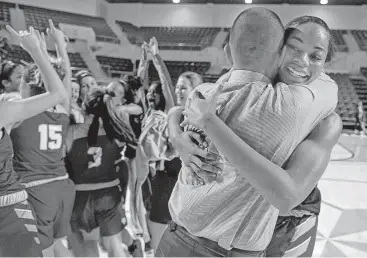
column 153, row 47
column 28, row 39
column 57, row 35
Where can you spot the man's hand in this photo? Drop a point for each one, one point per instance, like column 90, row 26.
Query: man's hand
column 202, row 164
column 199, row 109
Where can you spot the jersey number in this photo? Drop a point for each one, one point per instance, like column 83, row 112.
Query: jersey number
column 96, row 153
column 50, row 137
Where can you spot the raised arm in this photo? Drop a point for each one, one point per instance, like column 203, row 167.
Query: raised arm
column 143, row 64
column 58, row 37
column 164, row 76
column 14, row 111
column 131, row 109
column 61, row 47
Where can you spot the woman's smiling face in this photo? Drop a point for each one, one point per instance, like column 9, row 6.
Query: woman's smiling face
column 305, row 55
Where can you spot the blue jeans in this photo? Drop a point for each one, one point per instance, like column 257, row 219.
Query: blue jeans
column 177, row 242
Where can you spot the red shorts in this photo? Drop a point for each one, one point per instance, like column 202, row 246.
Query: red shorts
column 53, row 204
column 18, row 231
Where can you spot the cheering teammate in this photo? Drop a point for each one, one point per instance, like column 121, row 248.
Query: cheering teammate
column 17, row 223
column 38, row 155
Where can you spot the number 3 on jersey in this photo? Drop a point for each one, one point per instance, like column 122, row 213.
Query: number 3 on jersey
column 50, row 136
column 96, row 153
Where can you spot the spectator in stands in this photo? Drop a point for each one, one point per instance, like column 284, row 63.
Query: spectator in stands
column 307, row 65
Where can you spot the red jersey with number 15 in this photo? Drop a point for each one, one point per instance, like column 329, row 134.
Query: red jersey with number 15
column 38, row 145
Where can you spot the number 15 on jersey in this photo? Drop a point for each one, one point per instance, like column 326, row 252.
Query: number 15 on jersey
column 50, row 136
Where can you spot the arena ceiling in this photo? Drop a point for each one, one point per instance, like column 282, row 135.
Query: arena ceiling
column 331, row 2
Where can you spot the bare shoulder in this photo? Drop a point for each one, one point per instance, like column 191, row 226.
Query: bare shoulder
column 324, row 84
column 328, row 130
column 333, row 121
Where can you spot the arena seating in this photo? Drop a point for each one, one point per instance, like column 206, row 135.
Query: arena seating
column 361, row 38
column 337, row 35
column 181, row 37
column 76, row 60
column 38, row 18
column 174, row 38
column 4, row 11
column 339, row 40
column 115, row 64
column 360, row 86
column 17, row 53
column 176, row 68
column 348, row 99
column 131, row 31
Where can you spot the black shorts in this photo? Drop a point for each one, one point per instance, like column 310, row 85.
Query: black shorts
column 18, row 232
column 99, row 208
column 53, row 204
column 162, row 187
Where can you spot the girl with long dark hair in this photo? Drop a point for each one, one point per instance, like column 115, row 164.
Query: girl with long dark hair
column 13, row 196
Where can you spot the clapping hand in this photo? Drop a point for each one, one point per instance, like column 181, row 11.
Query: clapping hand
column 153, row 47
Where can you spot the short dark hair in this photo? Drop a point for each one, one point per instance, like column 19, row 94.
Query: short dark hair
column 255, row 33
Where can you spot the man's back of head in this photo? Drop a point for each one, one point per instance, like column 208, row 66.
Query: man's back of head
column 255, row 41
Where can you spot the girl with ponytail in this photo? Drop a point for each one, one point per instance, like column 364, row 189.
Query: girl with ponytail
column 91, row 163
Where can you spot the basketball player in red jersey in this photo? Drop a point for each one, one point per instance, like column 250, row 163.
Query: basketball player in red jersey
column 38, row 156
column 17, row 225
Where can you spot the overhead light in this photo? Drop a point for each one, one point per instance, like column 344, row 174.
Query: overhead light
column 248, row 1
column 176, row 1
column 323, row 1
